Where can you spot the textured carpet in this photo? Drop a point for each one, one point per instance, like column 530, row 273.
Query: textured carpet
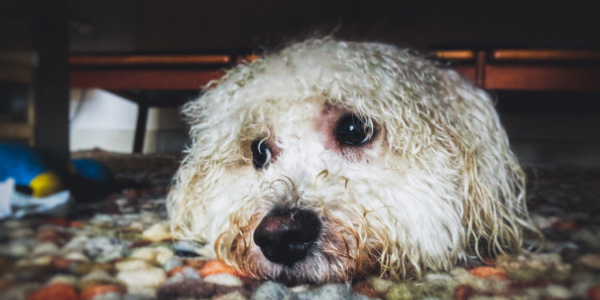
column 119, row 247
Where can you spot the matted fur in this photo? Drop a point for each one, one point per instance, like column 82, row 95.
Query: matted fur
column 437, row 180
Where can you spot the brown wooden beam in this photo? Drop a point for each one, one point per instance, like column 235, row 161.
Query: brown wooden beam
column 468, row 71
column 129, row 60
column 168, row 79
column 480, row 64
column 454, row 55
column 15, row 131
column 247, row 58
column 545, row 55
column 520, row 77
column 485, row 73
column 143, row 79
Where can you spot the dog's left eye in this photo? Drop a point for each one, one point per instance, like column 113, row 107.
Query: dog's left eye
column 351, row 130
column 261, row 154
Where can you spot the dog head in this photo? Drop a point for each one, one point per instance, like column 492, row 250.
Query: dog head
column 330, row 159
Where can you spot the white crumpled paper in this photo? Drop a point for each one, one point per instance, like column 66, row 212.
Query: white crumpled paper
column 17, row 205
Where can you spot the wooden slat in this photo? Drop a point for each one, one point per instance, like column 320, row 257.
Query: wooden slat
column 454, row 54
column 143, row 79
column 248, row 58
column 251, row 57
column 497, row 76
column 16, row 73
column 168, row 79
column 103, row 60
column 467, row 71
column 481, row 61
column 545, row 55
column 13, row 130
column 542, row 78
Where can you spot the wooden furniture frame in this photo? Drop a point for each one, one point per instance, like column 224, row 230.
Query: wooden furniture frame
column 505, row 69
column 529, row 70
column 502, row 69
column 21, row 73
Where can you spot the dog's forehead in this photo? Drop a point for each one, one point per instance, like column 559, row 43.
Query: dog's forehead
column 332, row 68
column 301, row 74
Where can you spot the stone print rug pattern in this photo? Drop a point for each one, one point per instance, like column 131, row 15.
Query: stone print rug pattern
column 120, row 248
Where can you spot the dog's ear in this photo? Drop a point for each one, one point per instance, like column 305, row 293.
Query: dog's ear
column 493, row 183
column 212, row 148
column 184, row 204
column 217, row 123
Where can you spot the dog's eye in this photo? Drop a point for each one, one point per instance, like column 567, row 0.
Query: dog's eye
column 261, row 154
column 352, row 131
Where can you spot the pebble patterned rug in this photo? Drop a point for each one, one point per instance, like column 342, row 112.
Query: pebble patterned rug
column 120, row 248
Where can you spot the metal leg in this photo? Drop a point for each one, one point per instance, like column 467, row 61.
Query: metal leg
column 140, row 127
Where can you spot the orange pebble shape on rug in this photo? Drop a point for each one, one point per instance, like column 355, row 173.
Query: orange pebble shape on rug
column 488, row 272
column 215, row 267
column 93, row 291
column 61, row 291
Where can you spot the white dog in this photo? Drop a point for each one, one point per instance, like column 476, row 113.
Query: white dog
column 330, row 159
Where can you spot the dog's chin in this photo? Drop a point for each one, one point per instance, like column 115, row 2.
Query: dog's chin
column 317, row 267
column 320, row 265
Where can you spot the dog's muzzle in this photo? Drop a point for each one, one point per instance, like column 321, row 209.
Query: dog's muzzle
column 285, row 236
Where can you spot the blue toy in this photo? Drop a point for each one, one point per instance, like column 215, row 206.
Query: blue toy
column 27, row 168
column 92, row 169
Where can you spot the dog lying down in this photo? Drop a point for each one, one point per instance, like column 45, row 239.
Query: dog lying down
column 330, row 160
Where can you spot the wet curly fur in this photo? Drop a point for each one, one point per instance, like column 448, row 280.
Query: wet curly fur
column 436, row 180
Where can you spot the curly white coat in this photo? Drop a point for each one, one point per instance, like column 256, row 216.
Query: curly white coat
column 437, row 180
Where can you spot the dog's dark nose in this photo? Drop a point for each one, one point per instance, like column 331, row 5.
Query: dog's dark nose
column 285, row 236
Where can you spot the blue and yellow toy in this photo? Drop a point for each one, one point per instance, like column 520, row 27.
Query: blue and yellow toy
column 27, row 168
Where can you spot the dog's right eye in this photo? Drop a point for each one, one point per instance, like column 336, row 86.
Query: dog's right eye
column 352, row 131
column 261, row 154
